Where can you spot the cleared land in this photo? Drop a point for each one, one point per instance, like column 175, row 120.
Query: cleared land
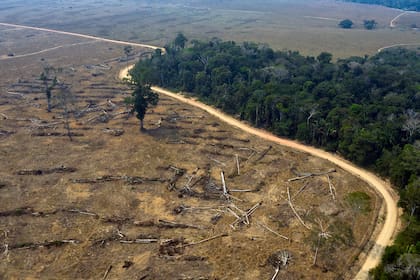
column 81, row 208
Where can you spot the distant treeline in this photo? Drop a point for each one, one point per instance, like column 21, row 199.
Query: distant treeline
column 412, row 5
column 364, row 108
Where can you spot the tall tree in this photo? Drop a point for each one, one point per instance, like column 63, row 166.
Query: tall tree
column 369, row 24
column 50, row 81
column 143, row 97
column 180, row 41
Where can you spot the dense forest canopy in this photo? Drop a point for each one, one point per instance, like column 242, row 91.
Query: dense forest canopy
column 364, row 108
column 413, row 5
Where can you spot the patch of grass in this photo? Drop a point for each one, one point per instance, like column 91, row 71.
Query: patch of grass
column 359, row 202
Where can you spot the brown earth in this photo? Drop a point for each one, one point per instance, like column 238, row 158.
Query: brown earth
column 42, row 201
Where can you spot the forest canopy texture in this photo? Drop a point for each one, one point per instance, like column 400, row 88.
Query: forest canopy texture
column 364, row 108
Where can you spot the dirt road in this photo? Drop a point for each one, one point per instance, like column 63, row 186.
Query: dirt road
column 81, row 36
column 389, row 226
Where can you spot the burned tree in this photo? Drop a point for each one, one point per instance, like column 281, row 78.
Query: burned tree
column 66, row 99
column 50, row 81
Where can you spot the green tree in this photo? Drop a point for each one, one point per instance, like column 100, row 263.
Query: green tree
column 369, row 24
column 128, row 50
column 143, row 97
column 180, row 41
column 346, row 24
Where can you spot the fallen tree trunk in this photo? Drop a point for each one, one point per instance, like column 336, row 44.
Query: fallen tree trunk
column 61, row 169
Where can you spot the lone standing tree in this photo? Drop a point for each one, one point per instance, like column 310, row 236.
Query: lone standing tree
column 346, row 24
column 369, row 24
column 143, row 97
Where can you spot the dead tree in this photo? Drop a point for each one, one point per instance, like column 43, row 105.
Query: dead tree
column 66, row 98
column 289, row 200
column 332, row 188
column 412, row 123
column 279, row 259
column 50, row 81
column 323, row 234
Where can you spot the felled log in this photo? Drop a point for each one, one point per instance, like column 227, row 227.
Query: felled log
column 305, row 175
column 263, row 153
column 61, row 169
column 46, row 244
column 132, row 180
column 165, row 224
column 114, row 132
column 72, row 134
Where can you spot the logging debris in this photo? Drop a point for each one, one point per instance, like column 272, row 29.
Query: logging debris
column 114, row 132
column 289, row 200
column 46, row 244
column 132, row 180
column 279, row 259
column 108, row 270
column 61, row 169
column 165, row 224
column 301, row 176
column 172, row 247
column 243, row 216
column 179, row 172
column 263, row 153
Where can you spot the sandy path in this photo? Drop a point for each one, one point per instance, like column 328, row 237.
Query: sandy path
column 385, row 236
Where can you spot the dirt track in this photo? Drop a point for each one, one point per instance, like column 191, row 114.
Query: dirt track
column 385, row 236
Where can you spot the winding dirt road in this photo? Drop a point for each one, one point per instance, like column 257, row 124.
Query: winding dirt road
column 389, row 226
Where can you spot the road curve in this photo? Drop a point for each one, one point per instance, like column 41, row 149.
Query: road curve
column 384, row 238
column 386, row 234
